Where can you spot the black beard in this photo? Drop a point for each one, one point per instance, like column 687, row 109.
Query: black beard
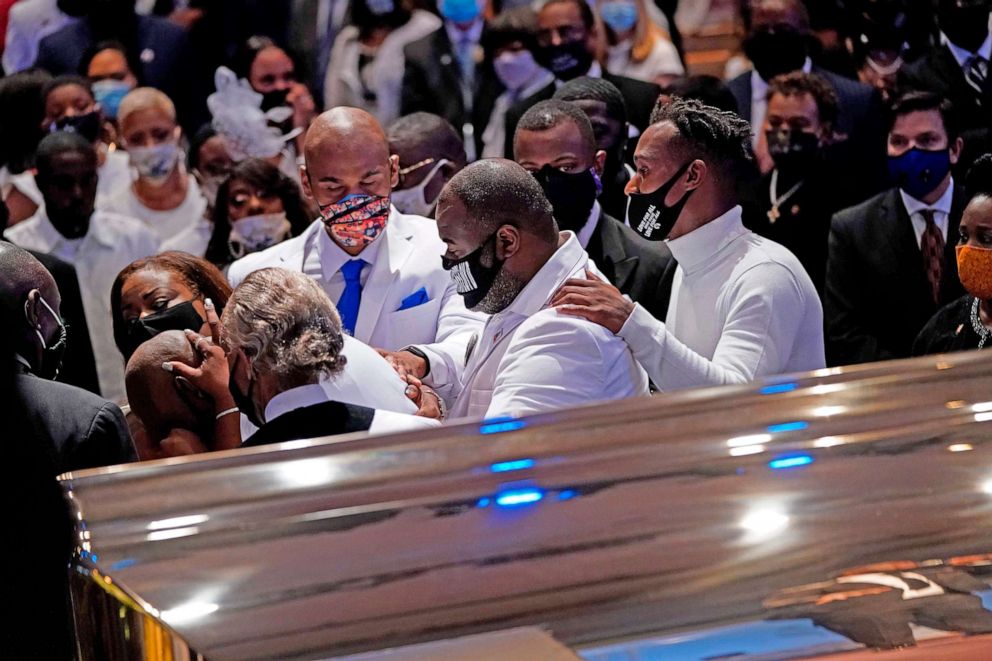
column 504, row 290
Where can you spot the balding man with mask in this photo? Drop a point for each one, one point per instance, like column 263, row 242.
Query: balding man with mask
column 430, row 152
column 369, row 258
column 742, row 306
column 79, row 429
column 508, row 258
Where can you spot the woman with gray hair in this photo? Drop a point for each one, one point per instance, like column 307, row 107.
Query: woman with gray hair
column 283, row 337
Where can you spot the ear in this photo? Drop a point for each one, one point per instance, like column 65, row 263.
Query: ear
column 956, row 150
column 31, row 312
column 696, row 174
column 394, row 171
column 177, row 133
column 305, row 181
column 184, row 385
column 599, row 162
column 507, row 242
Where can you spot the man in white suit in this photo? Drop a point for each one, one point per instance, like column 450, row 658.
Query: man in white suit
column 508, row 258
column 381, row 268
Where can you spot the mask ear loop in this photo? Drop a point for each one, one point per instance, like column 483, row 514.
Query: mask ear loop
column 37, row 327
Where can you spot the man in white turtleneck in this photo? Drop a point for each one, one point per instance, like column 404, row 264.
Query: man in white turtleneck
column 742, row 306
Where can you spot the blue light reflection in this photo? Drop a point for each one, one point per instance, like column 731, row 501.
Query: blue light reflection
column 791, row 461
column 777, row 388
column 799, row 425
column 517, row 497
column 516, row 465
column 500, row 425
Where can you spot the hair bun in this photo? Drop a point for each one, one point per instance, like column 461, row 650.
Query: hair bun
column 979, row 178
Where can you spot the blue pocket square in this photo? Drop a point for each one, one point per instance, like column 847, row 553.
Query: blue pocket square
column 418, row 297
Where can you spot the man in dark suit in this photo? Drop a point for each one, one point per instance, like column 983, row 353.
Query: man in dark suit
column 777, row 41
column 555, row 142
column 283, row 336
column 957, row 68
column 891, row 262
column 160, row 47
column 567, row 39
column 444, row 74
column 79, row 429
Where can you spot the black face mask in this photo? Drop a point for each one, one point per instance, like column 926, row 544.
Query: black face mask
column 473, row 280
column 87, row 126
column 648, row 214
column 566, row 61
column 244, row 402
column 72, row 224
column 52, row 354
column 965, row 26
column 793, row 151
column 776, row 50
column 274, row 99
column 571, row 195
column 182, row 316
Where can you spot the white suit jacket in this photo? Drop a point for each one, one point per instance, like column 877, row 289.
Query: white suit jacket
column 409, row 261
column 531, row 359
column 28, row 23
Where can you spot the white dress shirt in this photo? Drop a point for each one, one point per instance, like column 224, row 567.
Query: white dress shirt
column 111, row 243
column 962, row 56
column 383, row 422
column 494, row 137
column 742, row 307
column 530, row 358
column 584, row 235
column 165, row 224
column 941, row 208
column 324, row 263
column 28, row 23
column 759, row 101
column 193, row 240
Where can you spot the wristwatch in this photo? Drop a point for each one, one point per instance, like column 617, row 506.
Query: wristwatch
column 420, row 354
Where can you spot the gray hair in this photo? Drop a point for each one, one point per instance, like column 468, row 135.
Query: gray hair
column 286, row 325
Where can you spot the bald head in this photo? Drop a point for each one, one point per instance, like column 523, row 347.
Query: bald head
column 154, row 394
column 347, row 153
column 20, row 272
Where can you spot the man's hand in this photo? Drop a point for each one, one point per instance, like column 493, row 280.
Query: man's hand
column 595, row 300
column 428, row 402
column 304, row 108
column 405, row 363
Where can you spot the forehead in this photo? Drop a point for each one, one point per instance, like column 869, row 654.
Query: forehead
column 214, row 149
column 776, row 12
column 73, row 160
column 565, row 137
column 271, row 59
column 339, row 155
column 68, row 94
column 453, row 221
column 150, row 277
column 150, row 117
column 793, row 105
column 978, row 212
column 109, row 59
column 919, row 121
column 593, row 108
column 656, row 141
column 559, row 13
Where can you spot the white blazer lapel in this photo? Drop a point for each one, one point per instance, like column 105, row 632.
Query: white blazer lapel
column 389, row 261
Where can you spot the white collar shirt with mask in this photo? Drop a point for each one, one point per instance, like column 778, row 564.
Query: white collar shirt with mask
column 531, row 358
column 941, row 212
column 111, row 243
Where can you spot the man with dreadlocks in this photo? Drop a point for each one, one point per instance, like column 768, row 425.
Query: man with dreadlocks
column 742, row 306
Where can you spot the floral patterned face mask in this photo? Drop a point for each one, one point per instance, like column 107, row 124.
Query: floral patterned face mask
column 356, row 220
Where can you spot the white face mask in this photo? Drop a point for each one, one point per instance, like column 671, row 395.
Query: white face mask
column 254, row 233
column 515, row 68
column 154, row 164
column 413, row 200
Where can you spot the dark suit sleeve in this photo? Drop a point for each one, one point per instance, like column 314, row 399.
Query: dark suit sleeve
column 845, row 299
column 107, row 442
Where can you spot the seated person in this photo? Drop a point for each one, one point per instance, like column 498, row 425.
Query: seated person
column 430, row 152
column 507, row 259
column 283, row 335
column 257, row 207
column 175, row 417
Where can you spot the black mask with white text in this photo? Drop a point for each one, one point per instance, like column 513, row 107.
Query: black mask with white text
column 793, row 151
column 648, row 214
column 473, row 280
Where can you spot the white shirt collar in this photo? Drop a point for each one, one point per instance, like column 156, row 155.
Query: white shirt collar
column 759, row 86
column 53, row 240
column 585, row 234
column 332, row 257
column 595, row 71
column 962, row 56
column 535, row 296
column 294, row 398
column 698, row 247
column 473, row 34
column 914, row 206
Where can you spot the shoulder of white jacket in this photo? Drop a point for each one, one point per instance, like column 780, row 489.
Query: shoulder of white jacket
column 416, row 228
column 573, row 330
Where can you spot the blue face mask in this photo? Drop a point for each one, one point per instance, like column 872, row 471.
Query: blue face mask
column 459, row 11
column 109, row 93
column 620, row 16
column 918, row 172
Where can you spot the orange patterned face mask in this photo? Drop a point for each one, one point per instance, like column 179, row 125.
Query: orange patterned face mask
column 975, row 271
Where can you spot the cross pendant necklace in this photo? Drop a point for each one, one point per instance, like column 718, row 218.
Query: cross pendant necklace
column 774, row 214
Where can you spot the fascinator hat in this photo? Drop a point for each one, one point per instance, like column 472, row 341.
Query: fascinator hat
column 237, row 116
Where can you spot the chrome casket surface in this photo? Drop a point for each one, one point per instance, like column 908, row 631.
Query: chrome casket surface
column 681, row 513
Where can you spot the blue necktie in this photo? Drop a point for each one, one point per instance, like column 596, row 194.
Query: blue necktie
column 351, row 297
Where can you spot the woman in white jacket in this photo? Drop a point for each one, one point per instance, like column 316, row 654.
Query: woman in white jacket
column 366, row 64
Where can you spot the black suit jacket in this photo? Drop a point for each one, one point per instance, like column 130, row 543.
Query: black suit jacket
column 642, row 269
column 638, row 96
column 324, row 419
column 432, row 83
column 78, row 429
column 877, row 296
column 862, row 156
column 78, row 365
column 940, row 73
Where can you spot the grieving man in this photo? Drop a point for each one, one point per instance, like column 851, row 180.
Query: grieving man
column 555, row 143
column 742, row 306
column 507, row 257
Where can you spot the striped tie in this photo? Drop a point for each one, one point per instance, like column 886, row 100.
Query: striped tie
column 932, row 247
column 976, row 73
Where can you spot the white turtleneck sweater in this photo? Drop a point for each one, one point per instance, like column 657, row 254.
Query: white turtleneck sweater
column 742, row 307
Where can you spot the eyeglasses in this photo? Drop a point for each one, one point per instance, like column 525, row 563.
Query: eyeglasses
column 418, row 165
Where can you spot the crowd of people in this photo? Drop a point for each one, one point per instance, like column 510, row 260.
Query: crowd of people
column 236, row 224
column 401, row 214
